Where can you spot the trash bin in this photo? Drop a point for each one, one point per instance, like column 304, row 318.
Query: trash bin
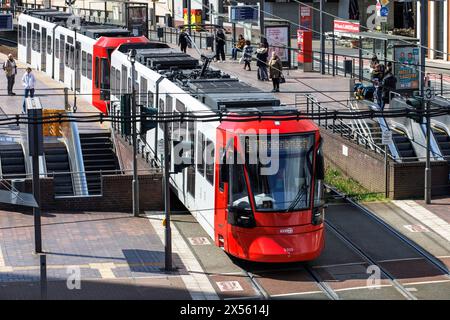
column 160, row 32
column 18, row 184
column 209, row 41
column 348, row 67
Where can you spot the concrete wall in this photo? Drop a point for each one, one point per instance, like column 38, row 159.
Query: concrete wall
column 406, row 180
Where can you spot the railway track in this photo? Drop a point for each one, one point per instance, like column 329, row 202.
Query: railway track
column 253, row 274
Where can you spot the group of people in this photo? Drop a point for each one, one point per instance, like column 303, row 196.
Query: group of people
column 267, row 68
column 262, row 54
column 383, row 80
column 28, row 79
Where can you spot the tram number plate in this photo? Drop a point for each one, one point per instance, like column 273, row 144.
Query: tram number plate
column 416, row 228
column 199, row 241
column 229, row 286
column 428, row 93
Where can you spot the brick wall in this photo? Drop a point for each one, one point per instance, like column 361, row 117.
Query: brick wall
column 406, row 180
column 117, row 196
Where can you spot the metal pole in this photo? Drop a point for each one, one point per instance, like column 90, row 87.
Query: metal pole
column 261, row 19
column 428, row 165
column 75, row 73
column 168, row 231
column 36, row 183
column 43, row 275
column 423, row 43
column 134, row 137
column 189, row 16
column 322, row 38
column 361, row 62
column 333, row 48
column 386, row 172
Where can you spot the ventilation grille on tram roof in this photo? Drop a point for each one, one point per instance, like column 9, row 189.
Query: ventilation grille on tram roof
column 230, row 93
column 97, row 31
column 166, row 59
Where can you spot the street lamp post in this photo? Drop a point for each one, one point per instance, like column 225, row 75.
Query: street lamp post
column 132, row 59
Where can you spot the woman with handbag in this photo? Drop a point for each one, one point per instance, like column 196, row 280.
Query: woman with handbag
column 275, row 71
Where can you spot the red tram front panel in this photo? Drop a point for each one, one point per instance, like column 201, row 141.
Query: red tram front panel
column 268, row 219
column 101, row 62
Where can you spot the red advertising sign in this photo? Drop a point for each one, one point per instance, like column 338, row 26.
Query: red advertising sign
column 304, row 40
column 346, row 26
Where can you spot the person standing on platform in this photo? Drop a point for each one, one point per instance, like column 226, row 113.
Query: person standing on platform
column 238, row 47
column 388, row 84
column 183, row 41
column 10, row 68
column 275, row 70
column 262, row 54
column 247, row 56
column 220, row 45
column 29, row 81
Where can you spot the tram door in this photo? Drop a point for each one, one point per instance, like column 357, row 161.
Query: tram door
column 61, row 58
column 77, row 66
column 44, row 50
column 28, row 42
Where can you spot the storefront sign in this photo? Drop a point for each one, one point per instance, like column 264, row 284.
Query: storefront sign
column 346, row 26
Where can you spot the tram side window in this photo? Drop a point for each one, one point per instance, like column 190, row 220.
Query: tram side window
column 33, row 41
column 192, row 128
column 97, row 72
column 161, row 110
column 38, row 41
column 83, row 63
column 89, row 66
column 143, row 92
column 66, row 55
column 20, row 34
column 200, row 153
column 72, row 58
column 56, row 49
column 150, row 98
column 124, row 79
column 105, row 81
column 49, row 45
column 117, row 75
column 209, row 161
column 113, row 80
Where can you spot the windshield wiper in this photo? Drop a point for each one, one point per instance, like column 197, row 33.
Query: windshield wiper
column 299, row 196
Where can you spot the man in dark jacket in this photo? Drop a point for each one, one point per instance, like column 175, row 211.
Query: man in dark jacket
column 183, row 41
column 220, row 45
column 388, row 84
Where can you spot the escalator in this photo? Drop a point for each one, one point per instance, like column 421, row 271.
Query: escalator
column 12, row 161
column 404, row 146
column 443, row 141
column 58, row 167
column 99, row 158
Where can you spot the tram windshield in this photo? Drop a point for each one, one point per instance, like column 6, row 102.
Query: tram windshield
column 279, row 171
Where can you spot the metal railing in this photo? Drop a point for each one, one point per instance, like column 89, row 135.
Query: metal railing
column 345, row 130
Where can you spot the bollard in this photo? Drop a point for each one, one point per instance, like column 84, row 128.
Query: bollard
column 43, row 275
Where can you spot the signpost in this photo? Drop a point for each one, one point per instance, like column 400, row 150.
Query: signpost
column 386, row 139
column 428, row 95
column 241, row 14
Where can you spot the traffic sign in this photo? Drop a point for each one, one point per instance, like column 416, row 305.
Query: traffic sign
column 160, row 147
column 386, row 137
column 428, row 93
column 384, row 11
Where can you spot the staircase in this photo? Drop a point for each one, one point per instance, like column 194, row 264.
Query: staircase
column 404, row 146
column 57, row 161
column 98, row 155
column 13, row 161
column 443, row 140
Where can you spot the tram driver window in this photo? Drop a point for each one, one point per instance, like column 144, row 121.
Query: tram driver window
column 105, row 84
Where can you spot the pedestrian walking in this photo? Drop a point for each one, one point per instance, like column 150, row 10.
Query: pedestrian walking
column 248, row 52
column 262, row 54
column 220, row 45
column 183, row 41
column 10, row 69
column 29, row 81
column 238, row 47
column 275, row 71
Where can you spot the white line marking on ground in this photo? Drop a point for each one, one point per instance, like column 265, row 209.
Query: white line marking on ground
column 428, row 218
column 294, row 293
column 402, row 259
column 2, row 261
column 340, row 265
column 364, row 287
column 196, row 281
column 424, row 282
